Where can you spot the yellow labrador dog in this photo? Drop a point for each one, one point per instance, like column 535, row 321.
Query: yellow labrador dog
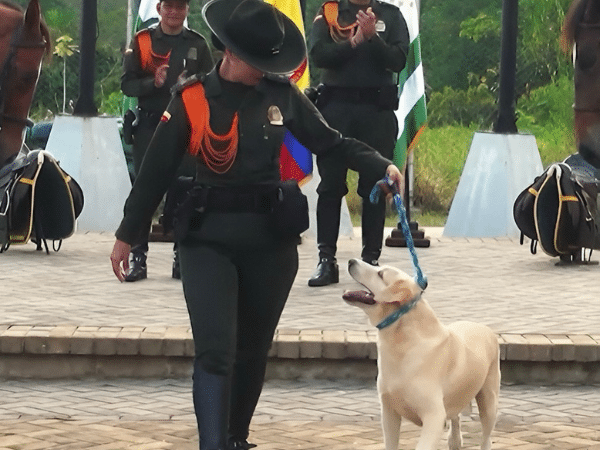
column 427, row 372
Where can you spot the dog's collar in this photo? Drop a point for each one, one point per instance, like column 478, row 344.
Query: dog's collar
column 399, row 312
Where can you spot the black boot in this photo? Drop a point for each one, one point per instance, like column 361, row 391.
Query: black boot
column 137, row 270
column 246, row 387
column 176, row 273
column 327, row 273
column 239, row 445
column 211, row 405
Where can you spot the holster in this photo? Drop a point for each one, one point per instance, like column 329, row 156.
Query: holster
column 176, row 195
column 128, row 126
column 290, row 212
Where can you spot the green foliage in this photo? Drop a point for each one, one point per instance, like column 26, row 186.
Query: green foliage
column 439, row 158
column 113, row 104
column 476, row 105
column 447, row 57
column 547, row 113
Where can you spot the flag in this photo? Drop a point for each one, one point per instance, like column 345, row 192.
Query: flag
column 295, row 161
column 412, row 111
column 147, row 14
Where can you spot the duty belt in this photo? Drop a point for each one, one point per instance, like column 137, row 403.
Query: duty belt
column 256, row 198
column 369, row 95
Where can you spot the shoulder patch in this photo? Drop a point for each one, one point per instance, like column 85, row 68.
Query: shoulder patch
column 166, row 116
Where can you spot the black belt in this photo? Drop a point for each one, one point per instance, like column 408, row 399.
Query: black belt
column 353, row 94
column 254, row 199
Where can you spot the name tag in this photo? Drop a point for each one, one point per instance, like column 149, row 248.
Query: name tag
column 380, row 26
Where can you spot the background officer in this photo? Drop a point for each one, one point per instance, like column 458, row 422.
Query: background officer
column 158, row 58
column 360, row 45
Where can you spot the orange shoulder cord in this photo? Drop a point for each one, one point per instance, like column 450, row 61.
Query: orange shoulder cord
column 202, row 137
column 337, row 32
column 150, row 61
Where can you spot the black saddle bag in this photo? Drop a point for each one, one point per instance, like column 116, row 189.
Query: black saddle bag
column 560, row 210
column 38, row 200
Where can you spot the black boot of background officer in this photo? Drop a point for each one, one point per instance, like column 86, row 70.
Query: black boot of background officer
column 138, row 269
column 176, row 272
column 328, row 226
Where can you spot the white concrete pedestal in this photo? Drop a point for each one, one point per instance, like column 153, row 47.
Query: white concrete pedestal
column 497, row 169
column 90, row 150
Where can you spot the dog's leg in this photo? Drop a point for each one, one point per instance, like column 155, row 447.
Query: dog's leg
column 433, row 428
column 390, row 423
column 455, row 440
column 487, row 402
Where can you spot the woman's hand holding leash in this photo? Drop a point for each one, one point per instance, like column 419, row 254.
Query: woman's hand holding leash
column 395, row 180
column 120, row 259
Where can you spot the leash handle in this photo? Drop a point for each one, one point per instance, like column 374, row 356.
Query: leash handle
column 420, row 278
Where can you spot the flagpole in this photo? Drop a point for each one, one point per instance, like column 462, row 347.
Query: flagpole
column 129, row 22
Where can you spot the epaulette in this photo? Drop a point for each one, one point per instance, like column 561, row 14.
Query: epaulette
column 278, row 78
column 386, row 4
column 148, row 28
column 195, row 33
column 180, row 86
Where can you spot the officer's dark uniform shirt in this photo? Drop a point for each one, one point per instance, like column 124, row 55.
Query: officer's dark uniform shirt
column 370, row 64
column 260, row 138
column 135, row 82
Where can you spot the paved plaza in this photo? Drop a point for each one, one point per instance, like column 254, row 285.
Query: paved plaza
column 493, row 281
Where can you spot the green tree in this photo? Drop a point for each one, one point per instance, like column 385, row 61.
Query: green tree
column 64, row 48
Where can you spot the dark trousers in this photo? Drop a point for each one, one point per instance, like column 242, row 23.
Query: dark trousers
column 236, row 280
column 141, row 139
column 379, row 129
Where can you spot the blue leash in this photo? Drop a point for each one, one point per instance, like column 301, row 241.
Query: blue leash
column 420, row 279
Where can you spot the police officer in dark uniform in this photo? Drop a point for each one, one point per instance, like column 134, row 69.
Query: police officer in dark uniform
column 158, row 58
column 237, row 228
column 361, row 45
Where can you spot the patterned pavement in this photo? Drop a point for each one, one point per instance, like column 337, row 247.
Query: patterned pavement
column 157, row 414
column 494, row 281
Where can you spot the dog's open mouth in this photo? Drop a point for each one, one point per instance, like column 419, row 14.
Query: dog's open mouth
column 365, row 297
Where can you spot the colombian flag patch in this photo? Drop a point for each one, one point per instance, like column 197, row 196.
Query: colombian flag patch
column 165, row 117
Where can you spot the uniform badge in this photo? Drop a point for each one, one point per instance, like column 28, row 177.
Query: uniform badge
column 380, row 26
column 166, row 116
column 274, row 115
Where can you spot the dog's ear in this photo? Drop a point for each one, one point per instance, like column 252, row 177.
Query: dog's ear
column 398, row 292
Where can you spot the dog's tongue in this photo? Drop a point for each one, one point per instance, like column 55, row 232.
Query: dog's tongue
column 359, row 296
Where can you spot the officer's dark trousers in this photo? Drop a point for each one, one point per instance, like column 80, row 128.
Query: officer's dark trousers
column 379, row 129
column 141, row 139
column 236, row 279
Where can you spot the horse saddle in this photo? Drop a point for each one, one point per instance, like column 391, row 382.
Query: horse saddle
column 560, row 208
column 38, row 200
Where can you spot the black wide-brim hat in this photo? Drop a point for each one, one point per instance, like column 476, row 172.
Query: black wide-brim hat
column 258, row 33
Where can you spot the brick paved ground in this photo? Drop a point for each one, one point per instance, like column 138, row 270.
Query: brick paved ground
column 494, row 281
column 157, row 414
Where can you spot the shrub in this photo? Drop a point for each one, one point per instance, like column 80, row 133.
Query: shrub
column 475, row 106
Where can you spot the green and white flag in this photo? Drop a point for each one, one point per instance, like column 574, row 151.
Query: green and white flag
column 412, row 112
